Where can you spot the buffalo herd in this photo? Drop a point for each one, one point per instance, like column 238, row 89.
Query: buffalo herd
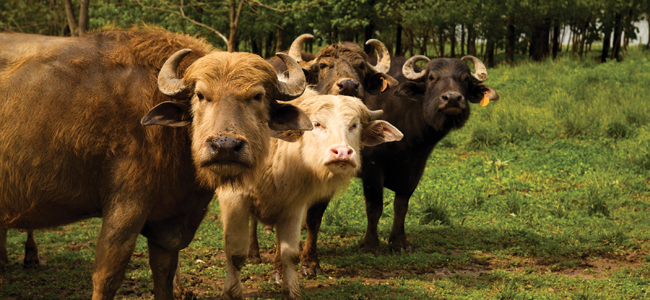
column 144, row 127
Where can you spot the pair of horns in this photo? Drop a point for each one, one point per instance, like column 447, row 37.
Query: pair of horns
column 479, row 76
column 172, row 86
column 383, row 61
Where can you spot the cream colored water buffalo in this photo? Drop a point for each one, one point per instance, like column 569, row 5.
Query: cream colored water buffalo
column 317, row 165
column 73, row 144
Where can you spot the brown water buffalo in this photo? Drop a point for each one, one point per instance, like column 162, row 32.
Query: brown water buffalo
column 337, row 69
column 439, row 103
column 73, row 144
column 296, row 174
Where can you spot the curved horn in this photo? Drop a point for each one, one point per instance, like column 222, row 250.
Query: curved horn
column 296, row 83
column 296, row 46
column 383, row 56
column 376, row 114
column 481, row 71
column 168, row 83
column 408, row 71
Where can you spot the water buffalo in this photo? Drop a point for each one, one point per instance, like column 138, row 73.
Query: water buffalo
column 73, row 144
column 337, row 69
column 439, row 103
column 296, row 174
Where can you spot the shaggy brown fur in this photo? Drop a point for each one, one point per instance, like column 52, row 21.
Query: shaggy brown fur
column 72, row 146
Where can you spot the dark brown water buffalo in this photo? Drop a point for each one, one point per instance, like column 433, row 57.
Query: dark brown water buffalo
column 73, row 144
column 337, row 69
column 439, row 103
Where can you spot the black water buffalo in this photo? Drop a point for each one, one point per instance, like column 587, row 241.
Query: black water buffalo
column 73, row 144
column 337, row 69
column 439, row 103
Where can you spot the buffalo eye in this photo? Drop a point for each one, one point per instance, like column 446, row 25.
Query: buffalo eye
column 200, row 96
column 432, row 77
column 361, row 67
column 317, row 124
column 323, row 66
column 465, row 78
column 258, row 97
column 354, row 126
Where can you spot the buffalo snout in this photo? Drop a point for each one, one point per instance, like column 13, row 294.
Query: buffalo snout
column 348, row 87
column 225, row 149
column 452, row 103
column 341, row 158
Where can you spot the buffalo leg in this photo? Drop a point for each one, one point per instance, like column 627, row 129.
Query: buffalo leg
column 164, row 264
column 288, row 240
column 397, row 238
column 373, row 191
column 31, row 251
column 235, row 217
column 4, row 258
column 178, row 281
column 254, row 247
column 309, row 255
column 115, row 246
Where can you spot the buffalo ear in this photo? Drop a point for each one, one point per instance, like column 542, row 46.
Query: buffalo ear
column 288, row 117
column 168, row 113
column 379, row 83
column 412, row 90
column 379, row 131
column 480, row 91
column 287, row 135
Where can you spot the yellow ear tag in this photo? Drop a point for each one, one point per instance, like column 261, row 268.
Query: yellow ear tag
column 485, row 100
column 384, row 84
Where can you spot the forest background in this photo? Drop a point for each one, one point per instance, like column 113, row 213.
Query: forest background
column 437, row 28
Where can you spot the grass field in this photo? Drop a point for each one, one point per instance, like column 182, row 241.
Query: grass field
column 542, row 195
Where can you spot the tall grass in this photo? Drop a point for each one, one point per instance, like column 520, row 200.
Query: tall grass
column 563, row 99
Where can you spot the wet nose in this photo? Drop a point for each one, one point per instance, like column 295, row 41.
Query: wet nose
column 225, row 146
column 341, row 153
column 452, row 97
column 348, row 87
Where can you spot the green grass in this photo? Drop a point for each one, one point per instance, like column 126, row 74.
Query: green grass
column 542, row 195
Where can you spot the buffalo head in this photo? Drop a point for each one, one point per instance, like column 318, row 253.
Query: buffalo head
column 446, row 86
column 343, row 68
column 229, row 100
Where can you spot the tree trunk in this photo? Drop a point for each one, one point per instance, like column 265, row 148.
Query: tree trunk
column 279, row 39
column 269, row 45
column 462, row 40
column 606, row 43
column 452, row 40
column 471, row 40
column 425, row 38
column 490, row 53
column 583, row 41
column 235, row 12
column 398, row 41
column 616, row 47
column 254, row 47
column 556, row 40
column 441, row 42
column 83, row 17
column 510, row 49
column 370, row 29
column 72, row 22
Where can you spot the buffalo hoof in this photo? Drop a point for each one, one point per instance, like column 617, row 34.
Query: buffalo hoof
column 275, row 276
column 370, row 247
column 311, row 270
column 268, row 229
column 401, row 246
column 256, row 260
